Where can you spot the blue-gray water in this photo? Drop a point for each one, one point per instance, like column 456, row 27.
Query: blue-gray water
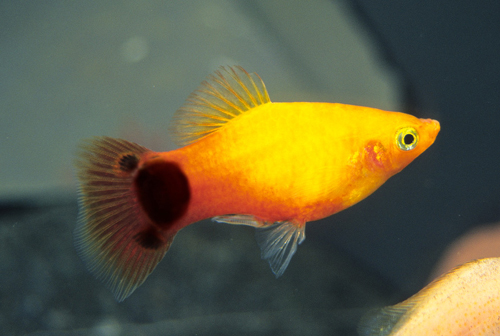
column 71, row 70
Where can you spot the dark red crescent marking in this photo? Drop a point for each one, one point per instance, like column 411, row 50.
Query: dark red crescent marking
column 163, row 191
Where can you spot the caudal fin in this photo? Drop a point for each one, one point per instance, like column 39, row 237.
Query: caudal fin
column 115, row 237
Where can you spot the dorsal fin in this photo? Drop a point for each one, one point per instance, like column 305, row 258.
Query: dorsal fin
column 227, row 93
column 381, row 322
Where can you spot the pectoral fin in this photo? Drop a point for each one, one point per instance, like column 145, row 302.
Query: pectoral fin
column 277, row 241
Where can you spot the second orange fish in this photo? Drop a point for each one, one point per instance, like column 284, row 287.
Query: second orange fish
column 246, row 161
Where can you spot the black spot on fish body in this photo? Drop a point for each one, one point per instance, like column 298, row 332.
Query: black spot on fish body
column 163, row 191
column 128, row 162
column 150, row 239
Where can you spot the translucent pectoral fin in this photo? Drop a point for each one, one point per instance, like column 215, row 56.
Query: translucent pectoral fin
column 277, row 241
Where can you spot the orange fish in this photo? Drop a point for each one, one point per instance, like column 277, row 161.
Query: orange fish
column 465, row 301
column 247, row 161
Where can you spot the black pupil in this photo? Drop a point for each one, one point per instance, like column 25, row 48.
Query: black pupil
column 408, row 139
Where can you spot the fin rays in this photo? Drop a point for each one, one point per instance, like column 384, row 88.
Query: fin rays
column 278, row 241
column 110, row 217
column 223, row 96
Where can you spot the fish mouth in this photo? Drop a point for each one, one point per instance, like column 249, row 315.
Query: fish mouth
column 432, row 127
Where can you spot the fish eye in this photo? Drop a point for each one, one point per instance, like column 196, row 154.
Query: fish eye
column 407, row 138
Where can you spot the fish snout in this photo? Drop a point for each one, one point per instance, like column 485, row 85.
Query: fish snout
column 432, row 127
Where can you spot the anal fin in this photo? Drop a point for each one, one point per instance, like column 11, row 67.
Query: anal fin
column 278, row 241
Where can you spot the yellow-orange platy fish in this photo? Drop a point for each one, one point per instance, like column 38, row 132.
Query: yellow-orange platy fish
column 463, row 302
column 273, row 166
